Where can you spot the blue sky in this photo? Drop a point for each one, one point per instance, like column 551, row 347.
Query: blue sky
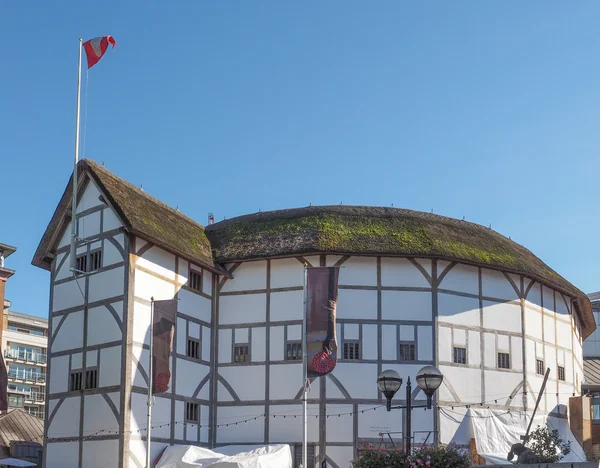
column 484, row 110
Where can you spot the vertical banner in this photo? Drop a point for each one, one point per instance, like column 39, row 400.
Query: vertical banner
column 3, row 385
column 322, row 295
column 165, row 313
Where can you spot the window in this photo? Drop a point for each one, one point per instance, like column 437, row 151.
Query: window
column 561, row 373
column 81, row 262
column 293, row 351
column 241, row 353
column 195, row 281
column 460, row 355
column 75, row 381
column 89, row 263
column 351, row 350
column 540, row 367
column 191, row 412
column 95, row 260
column 193, row 348
column 503, row 361
column 91, row 378
column 407, row 352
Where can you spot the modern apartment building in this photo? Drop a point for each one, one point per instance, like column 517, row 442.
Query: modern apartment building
column 24, row 343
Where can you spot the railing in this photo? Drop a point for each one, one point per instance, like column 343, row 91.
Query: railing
column 24, row 375
column 23, row 355
column 35, row 396
column 35, row 413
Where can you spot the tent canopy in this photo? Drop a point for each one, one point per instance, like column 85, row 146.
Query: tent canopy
column 15, row 462
column 189, row 456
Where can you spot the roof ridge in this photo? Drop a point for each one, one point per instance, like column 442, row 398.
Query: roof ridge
column 95, row 166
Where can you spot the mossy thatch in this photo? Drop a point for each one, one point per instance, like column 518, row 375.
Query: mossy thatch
column 363, row 230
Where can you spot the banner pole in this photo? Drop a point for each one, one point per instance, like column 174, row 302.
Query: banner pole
column 304, row 374
column 150, row 382
column 73, row 252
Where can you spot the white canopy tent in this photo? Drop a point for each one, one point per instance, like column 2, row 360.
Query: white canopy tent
column 495, row 431
column 15, row 462
column 189, row 456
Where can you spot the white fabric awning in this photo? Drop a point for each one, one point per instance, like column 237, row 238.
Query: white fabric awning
column 189, row 456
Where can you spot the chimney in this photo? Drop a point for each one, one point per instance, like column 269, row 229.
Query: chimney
column 211, row 218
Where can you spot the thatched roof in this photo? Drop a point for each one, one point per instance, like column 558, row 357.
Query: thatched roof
column 360, row 230
column 142, row 215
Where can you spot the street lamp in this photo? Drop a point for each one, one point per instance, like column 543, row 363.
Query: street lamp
column 429, row 379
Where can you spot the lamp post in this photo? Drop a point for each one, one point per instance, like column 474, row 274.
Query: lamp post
column 429, row 379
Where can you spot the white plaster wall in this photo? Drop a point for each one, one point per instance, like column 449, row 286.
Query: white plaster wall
column 159, row 261
column 63, row 271
column 287, row 305
column 59, row 377
column 70, row 335
column 67, row 295
column 111, row 254
column 137, row 451
column 466, row 383
column 110, row 366
column 286, row 273
column 97, row 415
column 359, row 271
column 461, row 278
column 364, row 387
column 549, row 329
column 194, row 305
column 259, row 344
column 356, row 304
column 207, row 278
column 494, row 284
column 225, row 343
column 66, row 419
column 89, row 197
column 516, row 351
column 62, row 454
column 533, row 323
column 248, row 382
column 89, row 225
column 251, row 431
column 372, row 422
column 248, row 276
column 111, row 221
column 369, row 341
column 341, row 456
column 147, row 286
column 473, row 348
column 100, row 453
column 425, row 340
column 401, row 272
column 502, row 316
column 534, row 297
column 106, row 284
column 102, row 326
column 247, row 308
column 444, row 344
column 189, row 376
column 548, row 299
column 564, row 333
column 458, row 310
column 339, row 428
column 290, row 429
column 141, row 323
column 161, row 411
column 404, row 305
column 206, row 347
column 499, row 385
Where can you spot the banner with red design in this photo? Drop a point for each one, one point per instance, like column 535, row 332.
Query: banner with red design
column 96, row 48
column 165, row 313
column 322, row 295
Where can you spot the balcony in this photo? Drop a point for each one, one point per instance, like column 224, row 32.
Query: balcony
column 35, row 413
column 27, row 376
column 20, row 355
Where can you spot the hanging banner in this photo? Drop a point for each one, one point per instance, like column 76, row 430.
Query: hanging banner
column 165, row 313
column 322, row 295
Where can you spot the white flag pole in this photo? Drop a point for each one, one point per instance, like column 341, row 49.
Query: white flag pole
column 74, row 201
column 304, row 373
column 150, row 382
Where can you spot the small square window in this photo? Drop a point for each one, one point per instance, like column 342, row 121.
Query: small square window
column 407, row 352
column 561, row 373
column 95, row 260
column 460, row 355
column 241, row 353
column 193, row 348
column 351, row 350
column 81, row 262
column 539, row 367
column 195, row 280
column 503, row 361
column 293, row 351
column 192, row 412
column 91, row 378
column 75, row 381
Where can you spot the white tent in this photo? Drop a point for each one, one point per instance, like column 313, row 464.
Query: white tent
column 189, row 456
column 495, row 431
column 15, row 462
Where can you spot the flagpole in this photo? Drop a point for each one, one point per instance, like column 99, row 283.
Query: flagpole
column 304, row 375
column 150, row 382
column 74, row 201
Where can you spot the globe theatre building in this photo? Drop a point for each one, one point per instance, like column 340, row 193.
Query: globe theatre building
column 415, row 289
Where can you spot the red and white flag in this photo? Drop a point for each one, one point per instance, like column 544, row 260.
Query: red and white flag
column 96, row 48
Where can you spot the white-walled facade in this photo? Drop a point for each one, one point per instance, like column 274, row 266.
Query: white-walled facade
column 486, row 330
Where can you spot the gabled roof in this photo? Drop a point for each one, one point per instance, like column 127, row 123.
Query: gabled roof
column 19, row 426
column 27, row 319
column 142, row 215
